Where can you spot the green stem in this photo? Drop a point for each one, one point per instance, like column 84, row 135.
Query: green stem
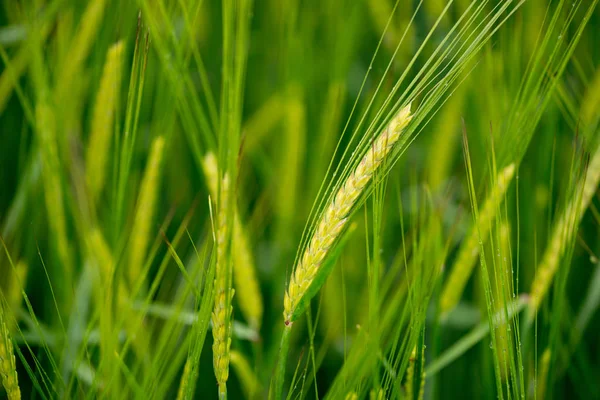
column 276, row 388
column 222, row 392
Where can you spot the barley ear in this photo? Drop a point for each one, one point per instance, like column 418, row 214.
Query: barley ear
column 145, row 211
column 53, row 195
column 221, row 316
column 249, row 380
column 103, row 120
column 335, row 216
column 467, row 255
column 562, row 234
column 8, row 365
column 244, row 272
column 17, row 280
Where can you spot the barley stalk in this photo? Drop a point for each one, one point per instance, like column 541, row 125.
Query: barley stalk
column 467, row 255
column 562, row 234
column 221, row 316
column 102, row 122
column 244, row 272
column 145, row 211
column 8, row 366
column 335, row 216
column 185, row 380
column 415, row 392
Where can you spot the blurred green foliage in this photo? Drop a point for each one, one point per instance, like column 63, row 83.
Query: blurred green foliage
column 288, row 95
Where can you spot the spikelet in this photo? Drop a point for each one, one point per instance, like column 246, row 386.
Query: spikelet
column 8, row 366
column 102, row 123
column 351, row 396
column 244, row 272
column 562, row 234
column 410, row 377
column 221, row 316
column 335, row 216
column 467, row 255
column 145, row 210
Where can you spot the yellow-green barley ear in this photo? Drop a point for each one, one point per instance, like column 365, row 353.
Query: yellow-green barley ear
column 377, row 394
column 469, row 251
column 291, row 156
column 247, row 377
column 84, row 39
column 263, row 121
column 335, row 216
column 53, row 193
column 244, row 277
column 562, row 233
column 16, row 284
column 221, row 316
column 591, row 103
column 13, row 287
column 542, row 378
column 351, row 396
column 8, row 365
column 446, row 139
column 103, row 120
column 144, row 214
column 244, row 272
column 399, row 26
column 102, row 254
